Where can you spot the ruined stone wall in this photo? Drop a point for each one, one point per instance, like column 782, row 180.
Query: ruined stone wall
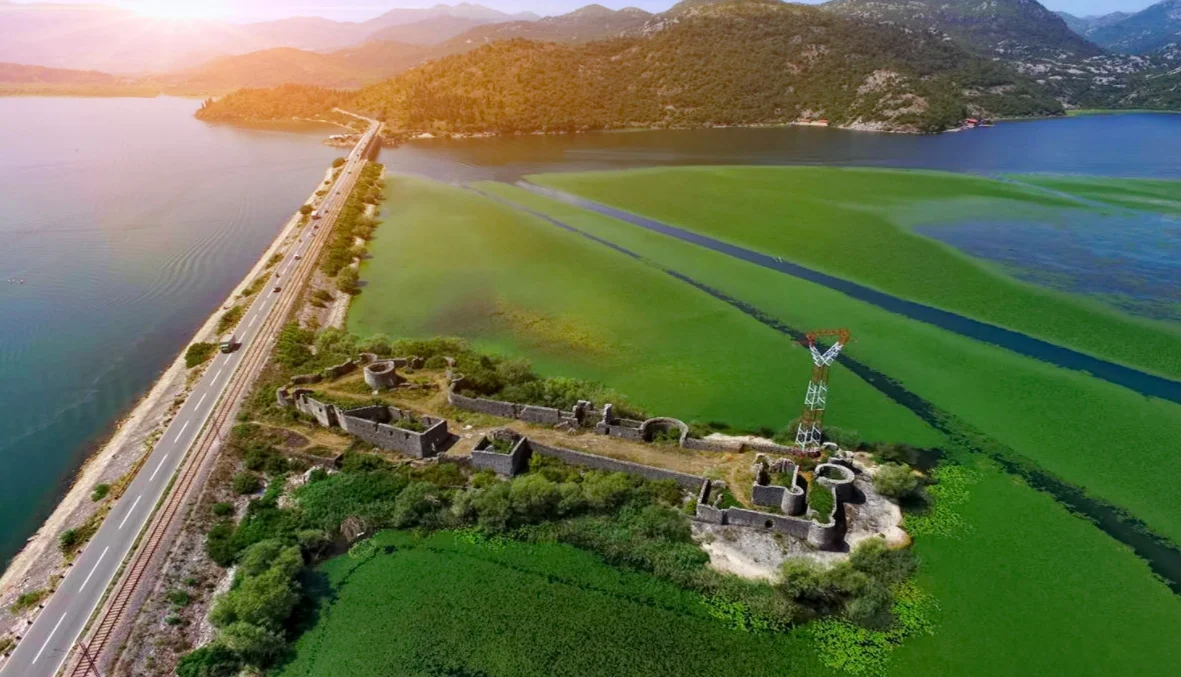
column 508, row 465
column 826, row 535
column 585, row 460
column 370, row 424
column 326, row 414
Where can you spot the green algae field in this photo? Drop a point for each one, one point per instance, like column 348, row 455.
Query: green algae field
column 446, row 605
column 858, row 224
column 1012, row 559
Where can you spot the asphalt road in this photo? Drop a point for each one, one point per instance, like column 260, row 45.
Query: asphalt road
column 45, row 645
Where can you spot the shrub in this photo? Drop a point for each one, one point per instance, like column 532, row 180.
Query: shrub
column 348, row 280
column 338, row 162
column 888, row 565
column 820, row 499
column 197, row 353
column 435, row 362
column 28, row 600
column 69, row 540
column 228, row 320
column 223, row 509
column 214, row 660
column 100, row 492
column 416, row 504
column 254, row 644
column 845, row 439
column 245, row 482
column 219, row 543
column 178, row 598
column 378, row 344
column 305, row 209
column 896, row 481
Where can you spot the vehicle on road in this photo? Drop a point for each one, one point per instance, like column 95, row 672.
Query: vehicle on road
column 297, row 257
column 228, row 343
column 315, row 215
column 276, row 289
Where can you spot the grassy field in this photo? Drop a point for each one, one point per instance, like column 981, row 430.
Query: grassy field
column 449, row 261
column 856, row 224
column 448, row 606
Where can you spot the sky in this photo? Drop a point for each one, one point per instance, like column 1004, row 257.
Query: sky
column 359, row 10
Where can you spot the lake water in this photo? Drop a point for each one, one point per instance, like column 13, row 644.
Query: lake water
column 1141, row 145
column 129, row 222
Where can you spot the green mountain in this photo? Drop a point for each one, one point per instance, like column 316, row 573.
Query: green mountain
column 1009, row 29
column 1145, row 31
column 702, row 64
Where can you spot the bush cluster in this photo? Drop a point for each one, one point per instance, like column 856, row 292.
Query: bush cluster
column 198, row 353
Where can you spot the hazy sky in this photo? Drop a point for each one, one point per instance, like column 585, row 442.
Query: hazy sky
column 359, row 10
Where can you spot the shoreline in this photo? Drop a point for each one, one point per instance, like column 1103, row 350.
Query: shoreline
column 120, row 448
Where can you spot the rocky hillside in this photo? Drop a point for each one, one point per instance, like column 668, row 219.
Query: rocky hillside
column 710, row 64
column 1009, row 29
column 1145, row 31
column 1086, row 25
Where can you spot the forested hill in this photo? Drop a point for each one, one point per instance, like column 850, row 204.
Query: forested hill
column 717, row 64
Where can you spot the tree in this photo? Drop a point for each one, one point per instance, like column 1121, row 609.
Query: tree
column 378, row 344
column 305, row 210
column 896, row 481
column 338, row 162
column 348, row 280
column 254, row 644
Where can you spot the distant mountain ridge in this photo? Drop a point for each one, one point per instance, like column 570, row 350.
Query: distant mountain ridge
column 114, row 40
column 1086, row 25
column 721, row 64
column 1008, row 29
column 1144, row 32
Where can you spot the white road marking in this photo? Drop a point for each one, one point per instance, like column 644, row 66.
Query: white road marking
column 252, row 321
column 100, row 559
column 130, row 511
column 51, row 633
column 216, row 376
column 160, row 465
column 182, row 431
column 198, row 406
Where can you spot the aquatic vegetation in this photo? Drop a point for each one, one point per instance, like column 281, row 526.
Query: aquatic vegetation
column 855, row 223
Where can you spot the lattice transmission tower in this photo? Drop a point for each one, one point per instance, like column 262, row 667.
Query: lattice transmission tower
column 808, row 434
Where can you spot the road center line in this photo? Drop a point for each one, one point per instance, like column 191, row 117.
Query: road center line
column 100, row 559
column 51, row 634
column 160, row 465
column 215, row 377
column 198, row 406
column 182, row 431
column 252, row 321
column 130, row 510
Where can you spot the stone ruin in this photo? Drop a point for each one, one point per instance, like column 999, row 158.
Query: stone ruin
column 792, row 515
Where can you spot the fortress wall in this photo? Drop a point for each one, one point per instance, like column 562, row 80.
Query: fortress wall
column 583, row 459
column 540, row 415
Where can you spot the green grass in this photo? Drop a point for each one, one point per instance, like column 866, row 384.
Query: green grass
column 1059, row 418
column 1024, row 586
column 856, row 224
column 448, row 605
column 461, row 264
column 1146, row 194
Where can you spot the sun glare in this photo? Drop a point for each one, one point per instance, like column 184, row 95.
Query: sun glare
column 176, row 9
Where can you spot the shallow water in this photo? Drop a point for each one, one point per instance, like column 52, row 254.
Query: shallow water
column 129, row 221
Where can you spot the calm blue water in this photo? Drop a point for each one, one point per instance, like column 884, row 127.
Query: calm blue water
column 129, row 221
column 1143, row 145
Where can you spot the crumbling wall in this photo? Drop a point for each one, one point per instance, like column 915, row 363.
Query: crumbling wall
column 509, row 465
column 585, row 460
column 378, row 425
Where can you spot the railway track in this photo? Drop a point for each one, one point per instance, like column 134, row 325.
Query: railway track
column 153, row 539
